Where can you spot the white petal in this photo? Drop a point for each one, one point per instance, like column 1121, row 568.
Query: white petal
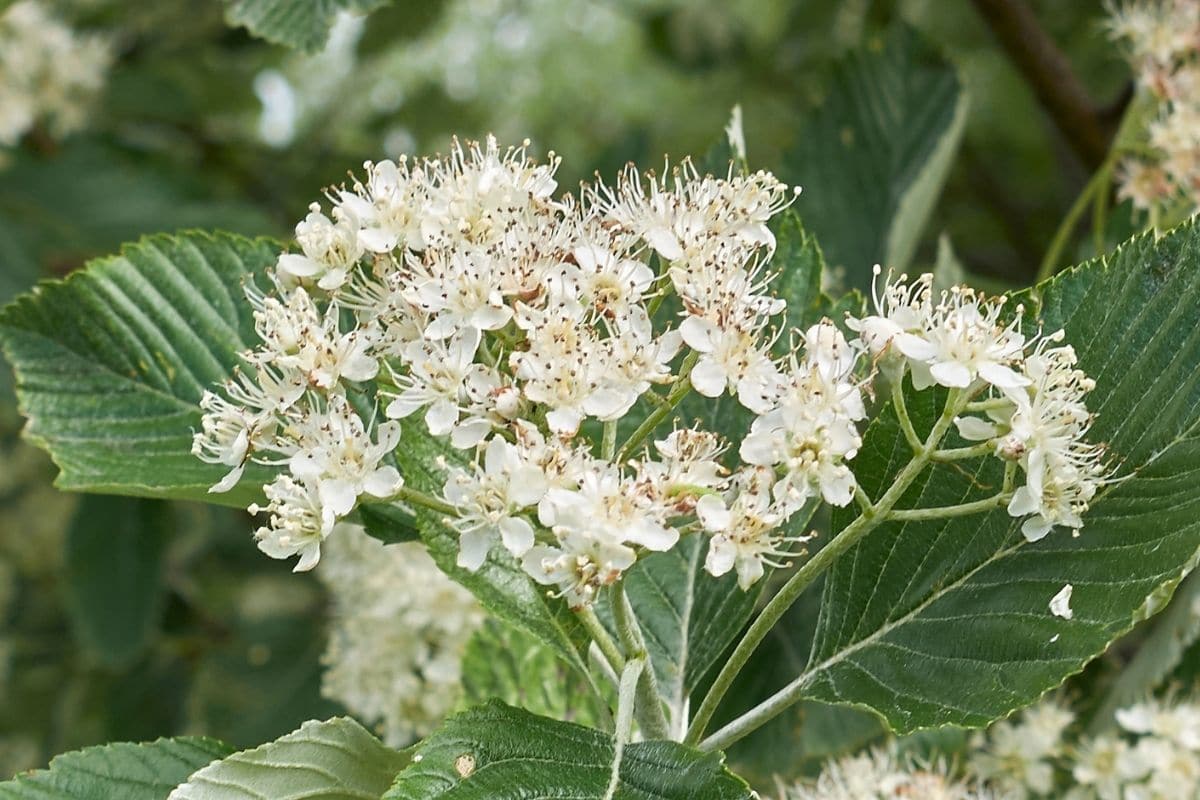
column 383, row 482
column 721, row 555
column 951, row 374
column 837, row 486
column 665, row 242
column 749, row 570
column 1023, row 502
column 469, row 433
column 1060, row 604
column 713, row 514
column 441, row 416
column 310, row 554
column 472, row 550
column 699, row 334
column 298, row 265
column 405, row 404
column 1001, row 376
column 708, row 377
column 379, row 240
column 1035, row 528
column 229, row 481
column 527, row 485
column 974, row 429
column 338, row 496
column 517, row 535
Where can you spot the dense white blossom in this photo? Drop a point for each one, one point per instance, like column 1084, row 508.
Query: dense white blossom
column 458, row 295
column 1162, row 42
column 879, row 774
column 398, row 630
column 48, row 73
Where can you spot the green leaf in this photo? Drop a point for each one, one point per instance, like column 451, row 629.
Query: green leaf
column 111, row 362
column 495, row 752
column 330, row 760
column 114, row 570
column 801, row 266
column 126, row 771
column 874, row 155
column 505, row 663
column 300, row 24
column 948, row 622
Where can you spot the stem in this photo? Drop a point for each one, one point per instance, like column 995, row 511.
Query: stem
column 864, row 502
column 417, row 498
column 959, row 453
column 601, row 663
column 624, row 727
column 991, row 404
column 649, row 702
column 679, row 390
column 601, row 638
column 898, row 403
column 790, row 592
column 1062, row 236
column 609, row 444
column 945, row 512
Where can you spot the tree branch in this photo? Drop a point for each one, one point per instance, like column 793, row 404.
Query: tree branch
column 1050, row 75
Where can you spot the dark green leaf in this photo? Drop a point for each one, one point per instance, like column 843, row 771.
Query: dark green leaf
column 114, row 570
column 495, row 752
column 874, row 155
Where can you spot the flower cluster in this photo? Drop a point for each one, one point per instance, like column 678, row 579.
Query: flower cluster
column 1032, row 410
column 880, row 774
column 1153, row 755
column 458, row 297
column 1162, row 39
column 399, row 629
column 48, row 73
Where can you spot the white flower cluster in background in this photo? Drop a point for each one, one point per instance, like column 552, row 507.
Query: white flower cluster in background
column 1162, row 40
column 457, row 296
column 1153, row 754
column 398, row 633
column 48, row 73
column 1033, row 413
column 879, row 774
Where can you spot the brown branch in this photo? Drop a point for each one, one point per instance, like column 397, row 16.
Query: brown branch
column 1049, row 74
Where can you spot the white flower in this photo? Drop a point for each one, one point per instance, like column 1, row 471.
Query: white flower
column 606, row 507
column 747, row 530
column 580, row 566
column 444, row 379
column 298, row 522
column 457, row 291
column 298, row 338
column 732, row 357
column 613, row 286
column 337, row 456
column 902, row 314
column 1017, row 757
column 386, row 207
column 330, row 250
column 878, row 774
column 489, row 501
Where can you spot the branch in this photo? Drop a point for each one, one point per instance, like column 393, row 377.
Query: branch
column 1049, row 74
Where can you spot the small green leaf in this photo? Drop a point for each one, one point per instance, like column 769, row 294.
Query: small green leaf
column 300, row 24
column 330, row 760
column 111, row 363
column 873, row 157
column 496, row 752
column 505, row 663
column 114, row 567
column 127, row 771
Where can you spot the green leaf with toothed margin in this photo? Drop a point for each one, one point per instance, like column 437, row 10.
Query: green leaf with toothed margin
column 947, row 622
column 496, row 752
column 111, row 363
column 129, row 771
column 300, row 24
column 336, row 759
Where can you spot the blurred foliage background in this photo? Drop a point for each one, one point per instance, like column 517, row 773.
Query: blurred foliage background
column 131, row 619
